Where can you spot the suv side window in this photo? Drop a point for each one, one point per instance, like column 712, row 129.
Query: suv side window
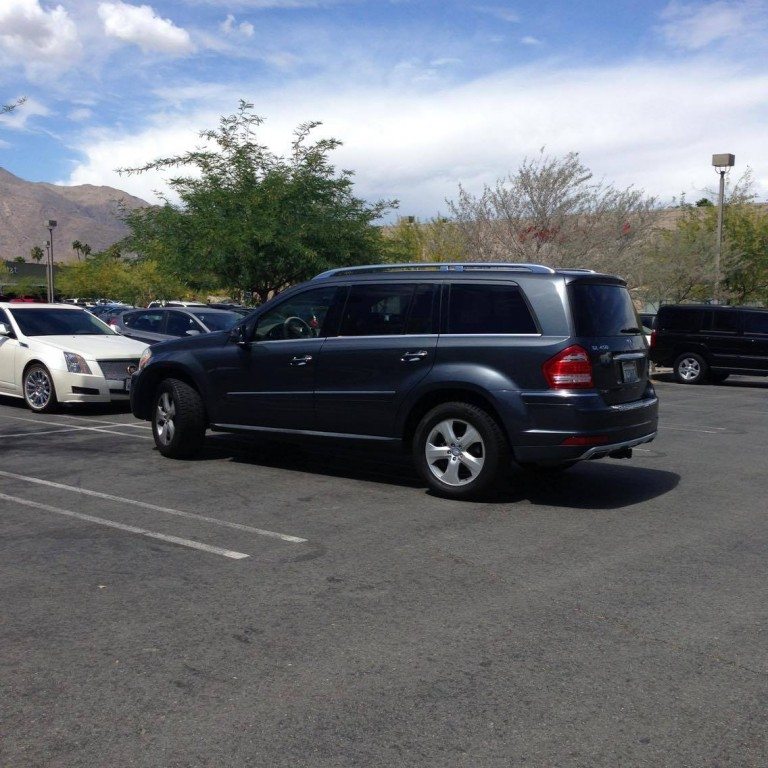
column 377, row 310
column 754, row 322
column 680, row 319
column 145, row 321
column 179, row 323
column 491, row 308
column 726, row 321
column 303, row 316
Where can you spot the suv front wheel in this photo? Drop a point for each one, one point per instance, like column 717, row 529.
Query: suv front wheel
column 178, row 420
column 458, row 449
column 690, row 368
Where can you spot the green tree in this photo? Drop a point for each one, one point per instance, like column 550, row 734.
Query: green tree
column 20, row 260
column 438, row 239
column 251, row 219
column 36, row 254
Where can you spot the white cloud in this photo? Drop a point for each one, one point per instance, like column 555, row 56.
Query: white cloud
column 80, row 114
column 695, row 26
column 528, row 40
column 20, row 116
column 230, row 27
column 499, row 12
column 418, row 144
column 139, row 24
column 44, row 42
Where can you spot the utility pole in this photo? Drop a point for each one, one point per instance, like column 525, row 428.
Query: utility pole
column 722, row 164
column 50, row 226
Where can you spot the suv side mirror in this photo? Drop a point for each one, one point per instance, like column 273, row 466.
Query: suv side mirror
column 239, row 335
column 5, row 330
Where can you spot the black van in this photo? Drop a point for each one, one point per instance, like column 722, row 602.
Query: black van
column 707, row 343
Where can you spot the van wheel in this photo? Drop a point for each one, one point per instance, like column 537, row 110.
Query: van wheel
column 718, row 378
column 39, row 391
column 458, row 449
column 690, row 369
column 178, row 420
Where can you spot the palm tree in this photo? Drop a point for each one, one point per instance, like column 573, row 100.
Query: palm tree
column 77, row 246
column 37, row 254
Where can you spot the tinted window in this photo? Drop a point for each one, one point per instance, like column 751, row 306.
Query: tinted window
column 217, row 321
column 301, row 317
column 489, row 309
column 756, row 322
column 376, row 310
column 59, row 322
column 602, row 310
column 145, row 321
column 725, row 321
column 179, row 323
column 680, row 319
column 421, row 317
column 4, row 317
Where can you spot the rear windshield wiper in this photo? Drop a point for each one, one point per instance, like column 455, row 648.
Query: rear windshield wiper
column 631, row 330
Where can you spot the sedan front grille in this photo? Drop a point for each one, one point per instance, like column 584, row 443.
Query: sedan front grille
column 117, row 370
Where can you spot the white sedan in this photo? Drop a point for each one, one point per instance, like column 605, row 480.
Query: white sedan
column 56, row 353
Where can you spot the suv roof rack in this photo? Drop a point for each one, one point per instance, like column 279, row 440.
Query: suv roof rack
column 446, row 266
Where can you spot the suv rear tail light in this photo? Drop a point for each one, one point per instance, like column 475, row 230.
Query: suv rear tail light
column 569, row 369
column 653, row 339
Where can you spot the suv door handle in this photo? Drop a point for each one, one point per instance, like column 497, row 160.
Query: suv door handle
column 301, row 360
column 414, row 357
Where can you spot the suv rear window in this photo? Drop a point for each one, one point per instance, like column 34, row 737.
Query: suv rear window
column 489, row 309
column 600, row 309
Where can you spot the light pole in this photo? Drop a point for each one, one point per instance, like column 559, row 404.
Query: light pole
column 721, row 164
column 50, row 226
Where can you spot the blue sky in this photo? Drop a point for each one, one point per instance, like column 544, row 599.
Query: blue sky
column 425, row 95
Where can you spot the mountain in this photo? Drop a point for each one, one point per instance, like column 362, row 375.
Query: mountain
column 85, row 213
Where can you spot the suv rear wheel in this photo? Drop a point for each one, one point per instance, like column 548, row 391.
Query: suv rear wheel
column 178, row 420
column 458, row 449
column 690, row 368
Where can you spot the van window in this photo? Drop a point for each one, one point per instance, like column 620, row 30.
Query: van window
column 756, row 322
column 601, row 309
column 726, row 321
column 491, row 308
column 680, row 319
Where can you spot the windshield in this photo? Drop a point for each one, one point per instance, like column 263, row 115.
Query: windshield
column 59, row 322
column 218, row 321
column 603, row 310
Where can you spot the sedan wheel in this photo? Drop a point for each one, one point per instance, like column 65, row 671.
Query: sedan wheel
column 39, row 391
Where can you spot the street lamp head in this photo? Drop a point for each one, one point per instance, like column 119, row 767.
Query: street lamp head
column 50, row 224
column 723, row 161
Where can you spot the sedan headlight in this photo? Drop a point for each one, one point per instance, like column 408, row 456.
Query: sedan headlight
column 76, row 363
column 144, row 359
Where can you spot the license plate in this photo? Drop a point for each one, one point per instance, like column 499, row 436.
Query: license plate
column 629, row 372
column 127, row 385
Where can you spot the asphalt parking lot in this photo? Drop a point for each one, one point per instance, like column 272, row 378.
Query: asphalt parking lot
column 273, row 605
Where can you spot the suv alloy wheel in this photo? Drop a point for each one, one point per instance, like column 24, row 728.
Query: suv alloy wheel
column 690, row 368
column 459, row 448
column 178, row 421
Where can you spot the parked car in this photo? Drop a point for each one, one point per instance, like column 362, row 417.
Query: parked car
column 163, row 324
column 59, row 353
column 702, row 342
column 108, row 313
column 463, row 365
column 239, row 308
column 647, row 319
column 174, row 303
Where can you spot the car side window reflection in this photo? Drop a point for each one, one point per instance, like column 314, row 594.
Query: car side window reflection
column 301, row 316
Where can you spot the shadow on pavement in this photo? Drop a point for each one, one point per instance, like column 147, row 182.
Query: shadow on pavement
column 606, row 484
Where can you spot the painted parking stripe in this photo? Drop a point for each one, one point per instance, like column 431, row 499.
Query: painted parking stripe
column 77, row 427
column 154, row 507
column 189, row 543
column 39, row 432
column 106, row 423
column 713, row 431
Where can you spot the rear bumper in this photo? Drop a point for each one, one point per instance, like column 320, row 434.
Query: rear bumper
column 551, row 418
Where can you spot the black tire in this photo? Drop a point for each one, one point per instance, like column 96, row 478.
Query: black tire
column 718, row 378
column 178, row 419
column 39, row 390
column 691, row 368
column 472, row 468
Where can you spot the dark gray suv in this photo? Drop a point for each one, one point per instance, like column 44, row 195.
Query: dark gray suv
column 464, row 365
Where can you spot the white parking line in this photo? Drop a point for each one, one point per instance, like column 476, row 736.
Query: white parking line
column 128, row 528
column 76, row 427
column 713, row 431
column 103, row 421
column 154, row 507
column 39, row 432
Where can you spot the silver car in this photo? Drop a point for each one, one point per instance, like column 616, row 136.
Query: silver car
column 164, row 323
